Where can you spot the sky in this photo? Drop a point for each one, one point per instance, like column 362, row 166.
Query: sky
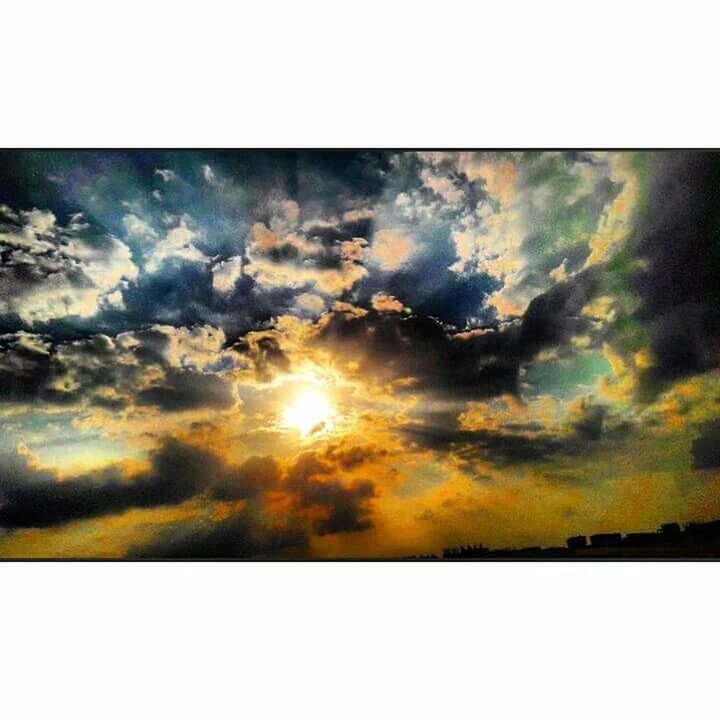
column 354, row 354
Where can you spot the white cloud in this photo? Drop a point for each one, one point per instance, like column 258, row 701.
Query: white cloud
column 41, row 222
column 208, row 174
column 392, row 248
column 51, row 271
column 358, row 214
column 137, row 227
column 310, row 304
column 226, row 274
column 166, row 175
column 442, row 186
column 177, row 243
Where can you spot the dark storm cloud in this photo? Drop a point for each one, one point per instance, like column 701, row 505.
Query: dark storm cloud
column 554, row 316
column 465, row 365
column 516, row 442
column 30, row 370
column 309, row 483
column 392, row 347
column 252, row 477
column 24, row 367
column 243, row 535
column 502, row 448
column 188, row 390
column 589, row 426
column 706, row 447
column 678, row 241
column 344, row 507
column 36, row 498
column 33, row 497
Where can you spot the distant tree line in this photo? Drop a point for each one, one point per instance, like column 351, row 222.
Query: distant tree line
column 671, row 539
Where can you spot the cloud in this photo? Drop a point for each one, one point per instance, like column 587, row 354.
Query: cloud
column 178, row 243
column 499, row 176
column 440, row 360
column 616, row 221
column 391, row 249
column 319, row 503
column 382, row 302
column 175, row 369
column 262, row 351
column 137, row 227
column 663, row 295
column 310, row 304
column 33, row 497
column 196, row 347
column 318, row 259
column 348, row 456
column 226, row 274
column 495, row 250
column 24, row 366
column 706, row 447
column 554, row 317
column 389, row 346
column 521, row 434
column 253, row 476
column 501, row 447
column 180, row 391
column 50, row 271
column 166, row 175
column 442, row 186
column 345, row 507
column 359, row 215
column 590, row 420
column 338, row 507
column 242, row 535
column 209, row 174
column 539, row 219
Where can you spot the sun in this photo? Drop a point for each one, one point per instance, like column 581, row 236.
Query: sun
column 309, row 412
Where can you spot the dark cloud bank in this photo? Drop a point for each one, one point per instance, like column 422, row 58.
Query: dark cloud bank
column 34, row 498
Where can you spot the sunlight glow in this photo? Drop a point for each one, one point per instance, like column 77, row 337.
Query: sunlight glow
column 309, row 412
